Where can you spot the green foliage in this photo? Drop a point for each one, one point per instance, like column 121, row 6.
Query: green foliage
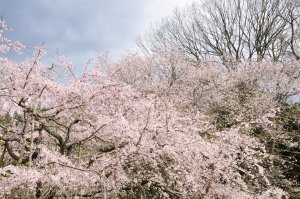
column 5, row 119
column 8, row 119
column 294, row 195
column 18, row 118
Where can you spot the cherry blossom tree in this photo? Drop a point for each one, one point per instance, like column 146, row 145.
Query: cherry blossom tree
column 145, row 127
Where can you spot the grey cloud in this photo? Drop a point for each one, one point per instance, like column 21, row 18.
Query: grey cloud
column 76, row 27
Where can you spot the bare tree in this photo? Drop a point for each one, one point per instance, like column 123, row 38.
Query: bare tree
column 174, row 32
column 292, row 17
column 230, row 31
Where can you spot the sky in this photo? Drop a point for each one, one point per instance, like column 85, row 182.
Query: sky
column 81, row 29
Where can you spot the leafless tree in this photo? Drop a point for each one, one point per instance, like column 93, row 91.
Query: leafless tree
column 230, row 31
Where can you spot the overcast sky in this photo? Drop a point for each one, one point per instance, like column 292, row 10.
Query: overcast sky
column 80, row 29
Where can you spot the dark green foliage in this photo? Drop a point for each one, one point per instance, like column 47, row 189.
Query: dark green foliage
column 287, row 146
column 245, row 90
column 294, row 195
column 289, row 118
column 221, row 116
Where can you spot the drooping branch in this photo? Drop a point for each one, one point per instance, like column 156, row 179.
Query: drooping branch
column 31, row 68
column 2, row 156
column 22, row 160
column 87, row 138
column 55, row 135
